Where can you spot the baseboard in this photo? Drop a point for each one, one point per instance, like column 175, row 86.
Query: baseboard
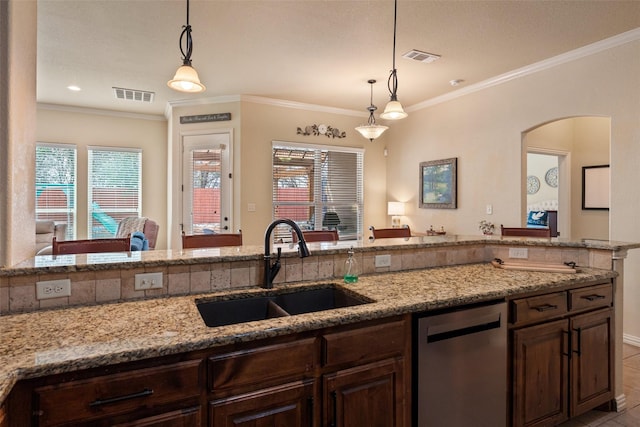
column 620, row 403
column 631, row 340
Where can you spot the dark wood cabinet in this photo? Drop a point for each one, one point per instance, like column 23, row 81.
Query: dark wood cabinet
column 369, row 395
column 4, row 419
column 562, row 345
column 290, row 404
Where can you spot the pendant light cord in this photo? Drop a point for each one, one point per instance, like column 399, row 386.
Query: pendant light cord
column 186, row 56
column 392, row 83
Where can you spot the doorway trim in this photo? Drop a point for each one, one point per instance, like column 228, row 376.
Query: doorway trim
column 564, row 188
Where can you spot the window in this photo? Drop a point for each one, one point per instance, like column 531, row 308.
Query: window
column 319, row 188
column 56, row 184
column 115, row 190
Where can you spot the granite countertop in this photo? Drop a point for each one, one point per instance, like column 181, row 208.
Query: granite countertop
column 48, row 342
column 146, row 259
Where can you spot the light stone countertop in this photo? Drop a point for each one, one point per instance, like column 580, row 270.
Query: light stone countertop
column 154, row 258
column 54, row 341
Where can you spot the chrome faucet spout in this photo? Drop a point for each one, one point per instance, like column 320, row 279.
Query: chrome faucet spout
column 270, row 271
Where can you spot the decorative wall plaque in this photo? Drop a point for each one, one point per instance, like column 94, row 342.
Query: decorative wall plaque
column 321, row 129
column 200, row 118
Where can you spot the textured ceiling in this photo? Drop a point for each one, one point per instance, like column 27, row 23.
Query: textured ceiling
column 311, row 51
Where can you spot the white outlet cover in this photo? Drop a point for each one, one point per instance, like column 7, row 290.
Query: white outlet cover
column 519, row 253
column 383, row 260
column 144, row 281
column 47, row 289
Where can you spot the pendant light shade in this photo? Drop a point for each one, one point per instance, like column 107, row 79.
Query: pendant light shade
column 394, row 110
column 186, row 78
column 371, row 130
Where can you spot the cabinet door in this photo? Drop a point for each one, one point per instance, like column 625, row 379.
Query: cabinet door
column 288, row 405
column 370, row 395
column 592, row 360
column 540, row 374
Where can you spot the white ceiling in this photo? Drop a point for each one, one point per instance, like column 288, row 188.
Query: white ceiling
column 311, row 51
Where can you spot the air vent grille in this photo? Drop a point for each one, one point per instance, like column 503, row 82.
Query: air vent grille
column 420, row 56
column 133, row 94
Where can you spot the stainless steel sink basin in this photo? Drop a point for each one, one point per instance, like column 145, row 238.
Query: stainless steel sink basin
column 240, row 310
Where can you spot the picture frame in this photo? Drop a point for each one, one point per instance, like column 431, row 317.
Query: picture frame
column 439, row 184
column 596, row 181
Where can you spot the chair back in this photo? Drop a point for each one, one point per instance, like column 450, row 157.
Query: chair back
column 383, row 233
column 90, row 246
column 317, row 236
column 525, row 232
column 146, row 226
column 195, row 241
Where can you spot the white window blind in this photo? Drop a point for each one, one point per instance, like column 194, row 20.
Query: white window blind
column 319, row 188
column 115, row 189
column 56, row 184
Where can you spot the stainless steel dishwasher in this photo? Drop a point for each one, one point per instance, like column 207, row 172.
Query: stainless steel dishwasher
column 460, row 367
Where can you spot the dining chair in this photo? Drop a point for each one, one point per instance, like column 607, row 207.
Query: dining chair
column 525, row 232
column 90, row 246
column 383, row 233
column 195, row 241
column 317, row 236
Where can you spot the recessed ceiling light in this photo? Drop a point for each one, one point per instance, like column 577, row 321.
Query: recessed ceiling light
column 74, row 88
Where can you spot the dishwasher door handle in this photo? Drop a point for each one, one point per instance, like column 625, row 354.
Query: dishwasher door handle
column 443, row 333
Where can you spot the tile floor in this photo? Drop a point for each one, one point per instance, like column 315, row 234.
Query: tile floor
column 630, row 417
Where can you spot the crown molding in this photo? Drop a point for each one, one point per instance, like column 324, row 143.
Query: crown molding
column 597, row 47
column 301, row 106
column 99, row 112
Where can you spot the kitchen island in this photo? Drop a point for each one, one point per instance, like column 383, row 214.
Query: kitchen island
column 41, row 342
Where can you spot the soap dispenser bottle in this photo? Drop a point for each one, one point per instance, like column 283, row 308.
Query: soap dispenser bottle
column 351, row 270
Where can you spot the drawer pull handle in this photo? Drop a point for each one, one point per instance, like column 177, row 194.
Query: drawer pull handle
column 143, row 393
column 593, row 297
column 545, row 307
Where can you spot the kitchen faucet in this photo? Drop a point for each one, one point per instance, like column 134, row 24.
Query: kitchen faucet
column 271, row 270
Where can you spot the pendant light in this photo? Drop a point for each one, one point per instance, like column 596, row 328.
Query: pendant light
column 186, row 78
column 371, row 130
column 394, row 110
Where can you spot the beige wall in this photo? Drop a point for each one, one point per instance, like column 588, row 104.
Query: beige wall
column 255, row 125
column 17, row 116
column 149, row 134
column 484, row 129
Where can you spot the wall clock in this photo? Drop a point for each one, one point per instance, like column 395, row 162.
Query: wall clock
column 551, row 177
column 533, row 184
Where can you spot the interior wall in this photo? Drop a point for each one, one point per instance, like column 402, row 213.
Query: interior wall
column 17, row 134
column 538, row 165
column 483, row 129
column 85, row 129
column 262, row 124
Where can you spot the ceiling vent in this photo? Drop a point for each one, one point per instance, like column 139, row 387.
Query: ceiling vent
column 420, row 56
column 133, row 94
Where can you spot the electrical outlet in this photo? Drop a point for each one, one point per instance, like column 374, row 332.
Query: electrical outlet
column 53, row 289
column 383, row 260
column 518, row 253
column 146, row 281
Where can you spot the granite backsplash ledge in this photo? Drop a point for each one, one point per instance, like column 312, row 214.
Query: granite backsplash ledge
column 107, row 278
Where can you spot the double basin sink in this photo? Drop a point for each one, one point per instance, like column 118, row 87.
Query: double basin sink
column 276, row 304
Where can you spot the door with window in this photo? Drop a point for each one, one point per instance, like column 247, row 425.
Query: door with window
column 206, row 184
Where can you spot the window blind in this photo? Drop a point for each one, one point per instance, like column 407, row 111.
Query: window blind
column 319, row 188
column 114, row 190
column 56, row 170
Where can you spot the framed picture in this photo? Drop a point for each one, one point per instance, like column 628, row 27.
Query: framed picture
column 595, row 187
column 438, row 184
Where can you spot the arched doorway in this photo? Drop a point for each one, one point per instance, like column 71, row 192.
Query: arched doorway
column 575, row 142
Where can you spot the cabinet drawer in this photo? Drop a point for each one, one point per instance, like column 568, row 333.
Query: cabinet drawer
column 116, row 394
column 591, row 297
column 365, row 344
column 542, row 307
column 262, row 364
